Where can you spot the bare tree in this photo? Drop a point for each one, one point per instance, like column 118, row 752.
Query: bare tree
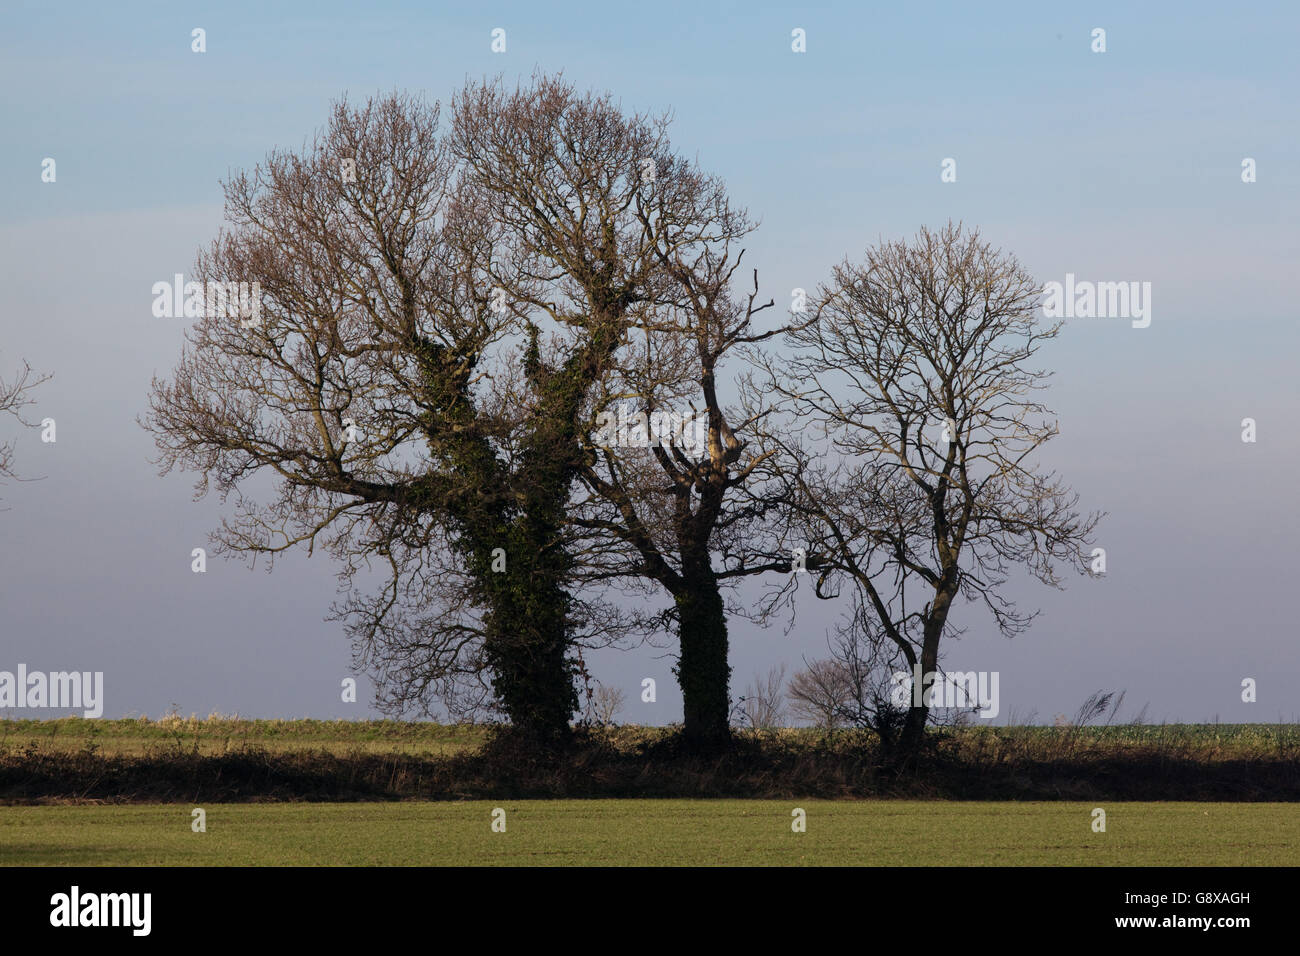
column 762, row 707
column 15, row 395
column 436, row 309
column 821, row 693
column 871, row 666
column 606, row 704
column 676, row 512
column 916, row 370
column 433, row 327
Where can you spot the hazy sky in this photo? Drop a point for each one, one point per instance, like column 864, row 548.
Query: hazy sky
column 1122, row 165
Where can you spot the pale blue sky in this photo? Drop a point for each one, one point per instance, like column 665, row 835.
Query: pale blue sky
column 1116, row 166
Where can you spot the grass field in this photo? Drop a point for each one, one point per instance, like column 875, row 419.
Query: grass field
column 102, row 793
column 655, row 832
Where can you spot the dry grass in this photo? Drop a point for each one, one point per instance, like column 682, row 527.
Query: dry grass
column 230, row 759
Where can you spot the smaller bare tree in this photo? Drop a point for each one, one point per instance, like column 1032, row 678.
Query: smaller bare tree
column 821, row 693
column 606, row 704
column 870, row 666
column 919, row 369
column 868, row 661
column 763, row 705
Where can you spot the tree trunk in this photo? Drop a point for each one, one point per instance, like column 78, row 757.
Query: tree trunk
column 702, row 671
column 912, row 737
column 533, row 679
column 527, row 642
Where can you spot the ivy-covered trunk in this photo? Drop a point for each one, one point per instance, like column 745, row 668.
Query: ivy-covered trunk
column 529, row 631
column 702, row 671
column 527, row 650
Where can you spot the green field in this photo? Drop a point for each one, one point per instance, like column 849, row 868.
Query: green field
column 102, row 793
column 655, row 832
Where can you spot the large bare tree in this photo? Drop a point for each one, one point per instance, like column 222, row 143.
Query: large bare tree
column 436, row 310
column 917, row 370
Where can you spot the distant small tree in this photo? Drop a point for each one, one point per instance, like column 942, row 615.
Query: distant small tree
column 763, row 705
column 868, row 664
column 820, row 693
column 606, row 703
